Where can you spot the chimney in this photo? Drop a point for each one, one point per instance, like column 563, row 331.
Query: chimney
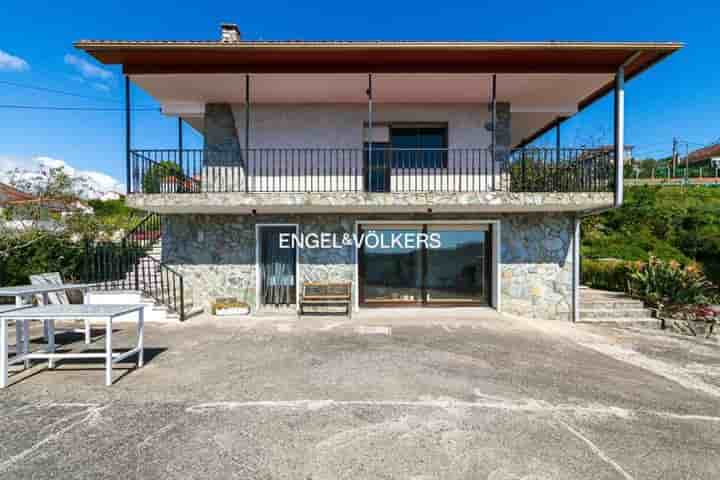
column 230, row 32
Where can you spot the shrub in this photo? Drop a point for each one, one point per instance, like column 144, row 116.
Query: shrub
column 670, row 286
column 610, row 274
column 38, row 253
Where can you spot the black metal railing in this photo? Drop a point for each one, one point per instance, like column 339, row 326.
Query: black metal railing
column 567, row 170
column 377, row 169
column 127, row 265
column 146, row 233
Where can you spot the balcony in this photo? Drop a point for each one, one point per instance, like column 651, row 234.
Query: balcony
column 349, row 179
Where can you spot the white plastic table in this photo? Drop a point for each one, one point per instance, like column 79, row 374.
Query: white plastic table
column 23, row 295
column 50, row 313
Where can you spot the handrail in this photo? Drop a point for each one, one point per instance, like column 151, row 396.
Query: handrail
column 146, row 232
column 126, row 266
column 384, row 169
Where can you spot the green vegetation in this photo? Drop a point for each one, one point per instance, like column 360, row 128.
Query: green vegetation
column 669, row 286
column 113, row 215
column 680, row 224
column 46, row 241
column 165, row 176
column 36, row 252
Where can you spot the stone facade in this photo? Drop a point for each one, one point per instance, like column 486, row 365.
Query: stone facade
column 537, row 265
column 216, row 255
column 220, row 130
column 348, row 202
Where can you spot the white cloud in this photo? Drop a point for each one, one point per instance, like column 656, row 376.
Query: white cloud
column 49, row 162
column 9, row 163
column 86, row 183
column 87, row 69
column 12, row 63
column 101, row 86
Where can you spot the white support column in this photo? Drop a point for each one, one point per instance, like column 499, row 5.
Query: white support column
column 19, row 301
column 4, row 352
column 25, row 325
column 108, row 352
column 88, row 330
column 576, row 270
column 619, row 134
column 141, row 336
column 51, row 341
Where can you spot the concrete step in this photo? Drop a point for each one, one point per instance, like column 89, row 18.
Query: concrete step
column 616, row 312
column 610, row 305
column 604, row 296
column 622, row 321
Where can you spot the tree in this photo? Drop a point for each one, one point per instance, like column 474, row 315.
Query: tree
column 163, row 177
column 31, row 221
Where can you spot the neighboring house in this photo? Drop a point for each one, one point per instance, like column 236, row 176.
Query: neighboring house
column 31, row 211
column 703, row 157
column 8, row 193
column 389, row 138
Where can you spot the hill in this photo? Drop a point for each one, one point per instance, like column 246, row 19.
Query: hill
column 670, row 222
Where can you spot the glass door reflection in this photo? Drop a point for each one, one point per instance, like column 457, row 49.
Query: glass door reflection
column 391, row 275
column 458, row 271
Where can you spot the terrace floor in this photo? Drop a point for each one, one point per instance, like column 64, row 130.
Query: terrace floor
column 467, row 394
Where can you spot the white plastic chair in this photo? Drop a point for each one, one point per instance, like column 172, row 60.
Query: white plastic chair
column 57, row 298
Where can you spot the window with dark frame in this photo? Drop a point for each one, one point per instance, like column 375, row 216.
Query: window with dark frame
column 418, row 146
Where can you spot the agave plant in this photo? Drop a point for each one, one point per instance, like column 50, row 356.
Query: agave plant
column 676, row 291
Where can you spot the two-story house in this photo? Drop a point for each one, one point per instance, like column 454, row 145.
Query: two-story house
column 378, row 141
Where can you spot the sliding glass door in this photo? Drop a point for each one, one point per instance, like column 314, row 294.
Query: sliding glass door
column 457, row 271
column 390, row 274
column 452, row 269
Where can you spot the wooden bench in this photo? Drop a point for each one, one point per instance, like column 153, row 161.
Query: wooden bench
column 326, row 293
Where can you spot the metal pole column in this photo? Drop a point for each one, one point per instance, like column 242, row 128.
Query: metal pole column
column 127, row 135
column 557, row 140
column 557, row 150
column 180, row 146
column 494, row 127
column 247, row 131
column 619, row 134
column 369, row 132
column 180, row 138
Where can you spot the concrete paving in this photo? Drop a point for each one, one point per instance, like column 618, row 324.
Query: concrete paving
column 446, row 394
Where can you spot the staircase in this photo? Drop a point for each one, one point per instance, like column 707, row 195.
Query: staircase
column 147, row 278
column 133, row 270
column 604, row 307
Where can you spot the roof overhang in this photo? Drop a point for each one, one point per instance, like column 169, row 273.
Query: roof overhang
column 376, row 57
column 579, row 72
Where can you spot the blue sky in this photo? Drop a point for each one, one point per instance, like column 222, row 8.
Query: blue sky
column 679, row 97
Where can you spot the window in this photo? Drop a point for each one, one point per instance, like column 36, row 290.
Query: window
column 418, row 146
column 457, row 271
column 403, row 146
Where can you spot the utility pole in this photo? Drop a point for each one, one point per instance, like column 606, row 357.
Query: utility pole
column 674, row 156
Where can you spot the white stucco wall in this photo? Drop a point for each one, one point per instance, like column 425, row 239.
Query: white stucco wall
column 341, row 125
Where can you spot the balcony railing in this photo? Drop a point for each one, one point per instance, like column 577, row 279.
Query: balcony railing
column 296, row 170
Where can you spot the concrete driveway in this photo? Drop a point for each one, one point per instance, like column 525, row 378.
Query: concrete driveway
column 442, row 395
